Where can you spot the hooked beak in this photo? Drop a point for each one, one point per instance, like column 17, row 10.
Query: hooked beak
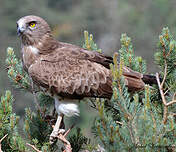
column 20, row 30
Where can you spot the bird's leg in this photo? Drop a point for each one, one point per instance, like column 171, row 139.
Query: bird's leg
column 57, row 129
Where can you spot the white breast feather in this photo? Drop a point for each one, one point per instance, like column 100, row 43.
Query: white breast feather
column 33, row 49
column 68, row 108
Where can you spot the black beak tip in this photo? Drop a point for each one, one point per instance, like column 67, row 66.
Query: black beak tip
column 19, row 32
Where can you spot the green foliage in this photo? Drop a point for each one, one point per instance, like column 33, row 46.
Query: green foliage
column 127, row 54
column 37, row 130
column 89, row 44
column 166, row 58
column 77, row 140
column 16, row 74
column 8, row 125
column 46, row 103
column 141, row 127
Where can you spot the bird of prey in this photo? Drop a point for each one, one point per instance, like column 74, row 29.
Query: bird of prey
column 67, row 72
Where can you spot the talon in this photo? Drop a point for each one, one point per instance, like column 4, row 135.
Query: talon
column 61, row 131
column 53, row 137
column 52, row 140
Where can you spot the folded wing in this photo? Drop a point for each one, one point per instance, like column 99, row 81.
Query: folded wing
column 70, row 75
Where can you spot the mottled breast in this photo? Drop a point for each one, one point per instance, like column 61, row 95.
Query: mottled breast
column 29, row 56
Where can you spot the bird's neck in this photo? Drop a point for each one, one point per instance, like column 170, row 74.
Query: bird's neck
column 45, row 44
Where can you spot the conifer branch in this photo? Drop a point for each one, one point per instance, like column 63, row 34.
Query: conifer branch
column 33, row 147
column 130, row 128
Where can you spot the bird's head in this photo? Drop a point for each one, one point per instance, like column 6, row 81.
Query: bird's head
column 32, row 28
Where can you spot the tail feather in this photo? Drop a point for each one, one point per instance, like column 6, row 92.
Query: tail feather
column 149, row 79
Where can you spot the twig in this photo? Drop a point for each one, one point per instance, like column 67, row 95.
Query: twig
column 165, row 73
column 66, row 133
column 173, row 98
column 3, row 138
column 65, row 141
column 161, row 89
column 118, row 122
column 1, row 141
column 160, row 85
column 33, row 147
column 163, row 97
column 166, row 91
column 171, row 102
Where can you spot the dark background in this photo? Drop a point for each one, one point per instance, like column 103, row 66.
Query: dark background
column 142, row 20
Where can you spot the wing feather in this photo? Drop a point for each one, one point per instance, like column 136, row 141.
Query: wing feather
column 71, row 76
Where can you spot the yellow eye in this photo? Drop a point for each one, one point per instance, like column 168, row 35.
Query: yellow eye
column 32, row 25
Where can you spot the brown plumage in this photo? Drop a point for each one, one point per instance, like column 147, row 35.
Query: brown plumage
column 68, row 70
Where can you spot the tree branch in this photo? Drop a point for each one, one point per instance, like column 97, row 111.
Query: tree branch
column 160, row 85
column 162, row 96
column 1, row 141
column 171, row 102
